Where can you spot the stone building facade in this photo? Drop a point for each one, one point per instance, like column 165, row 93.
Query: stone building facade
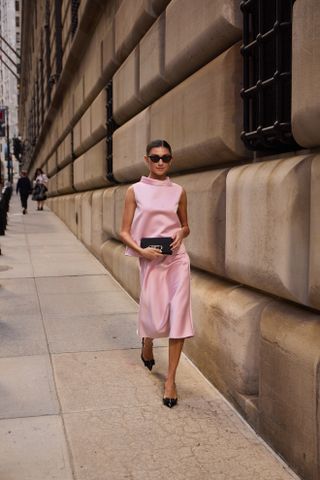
column 10, row 20
column 101, row 79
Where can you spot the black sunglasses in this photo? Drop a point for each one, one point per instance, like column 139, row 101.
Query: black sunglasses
column 156, row 158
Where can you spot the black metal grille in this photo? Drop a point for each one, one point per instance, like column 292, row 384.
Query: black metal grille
column 47, row 54
column 266, row 93
column 58, row 39
column 111, row 127
column 74, row 16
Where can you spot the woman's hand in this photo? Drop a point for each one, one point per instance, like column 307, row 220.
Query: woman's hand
column 177, row 238
column 150, row 253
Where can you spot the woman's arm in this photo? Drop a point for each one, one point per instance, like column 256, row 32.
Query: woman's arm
column 183, row 217
column 128, row 214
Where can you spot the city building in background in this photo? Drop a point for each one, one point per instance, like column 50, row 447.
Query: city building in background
column 10, row 42
column 234, row 88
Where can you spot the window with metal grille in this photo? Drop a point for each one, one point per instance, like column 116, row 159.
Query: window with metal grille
column 74, row 16
column 58, row 39
column 111, row 127
column 47, row 54
column 266, row 93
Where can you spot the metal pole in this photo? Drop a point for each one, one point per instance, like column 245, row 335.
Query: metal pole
column 9, row 165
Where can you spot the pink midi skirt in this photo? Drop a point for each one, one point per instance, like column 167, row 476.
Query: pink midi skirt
column 165, row 309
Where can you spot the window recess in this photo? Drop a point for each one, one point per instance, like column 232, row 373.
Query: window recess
column 266, row 92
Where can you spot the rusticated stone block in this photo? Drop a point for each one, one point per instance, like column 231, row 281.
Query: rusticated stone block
column 108, row 211
column 67, row 150
column 314, row 259
column 126, row 98
column 91, row 168
column 52, row 164
column 132, row 20
column 53, row 185
column 85, row 126
column 64, row 153
column 55, row 204
column 70, row 216
column 92, row 68
column 206, row 193
column 78, row 96
column 66, row 113
column 86, row 216
column 78, row 173
column 306, row 72
column 78, row 215
column 202, row 117
column 129, row 144
column 227, row 324
column 152, row 80
column 109, row 60
column 60, row 154
column 125, row 269
column 77, row 138
column 65, row 180
column 98, row 236
column 198, row 32
column 267, row 228
column 98, row 117
column 92, row 126
column 290, row 386
column 60, row 207
column 119, row 198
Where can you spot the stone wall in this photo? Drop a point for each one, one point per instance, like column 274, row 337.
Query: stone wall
column 255, row 230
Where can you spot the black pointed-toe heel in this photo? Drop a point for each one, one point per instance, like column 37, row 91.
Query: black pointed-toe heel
column 169, row 402
column 147, row 363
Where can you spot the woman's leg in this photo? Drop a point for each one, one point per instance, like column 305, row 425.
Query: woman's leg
column 175, row 349
column 147, row 348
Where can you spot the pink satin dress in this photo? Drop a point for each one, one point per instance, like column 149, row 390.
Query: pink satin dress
column 165, row 309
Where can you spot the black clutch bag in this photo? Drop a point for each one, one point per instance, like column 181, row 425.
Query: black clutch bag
column 161, row 243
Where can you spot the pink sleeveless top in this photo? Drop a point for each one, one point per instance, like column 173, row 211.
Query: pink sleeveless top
column 156, row 212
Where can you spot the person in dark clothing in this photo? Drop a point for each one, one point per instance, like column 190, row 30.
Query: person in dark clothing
column 24, row 187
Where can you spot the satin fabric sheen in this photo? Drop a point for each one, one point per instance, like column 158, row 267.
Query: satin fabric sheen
column 165, row 309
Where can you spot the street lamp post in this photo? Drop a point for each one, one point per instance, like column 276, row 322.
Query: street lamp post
column 9, row 160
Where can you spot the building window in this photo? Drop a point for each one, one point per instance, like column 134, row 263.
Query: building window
column 17, row 21
column 111, row 127
column 266, row 93
column 74, row 16
column 17, row 6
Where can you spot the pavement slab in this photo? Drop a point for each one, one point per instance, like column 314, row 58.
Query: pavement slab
column 77, row 284
column 22, row 335
column 26, row 387
column 92, row 303
column 147, row 441
column 91, row 333
column 34, row 449
column 76, row 402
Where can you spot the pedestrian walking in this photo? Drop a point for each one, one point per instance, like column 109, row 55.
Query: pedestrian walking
column 24, row 188
column 153, row 228
column 40, row 189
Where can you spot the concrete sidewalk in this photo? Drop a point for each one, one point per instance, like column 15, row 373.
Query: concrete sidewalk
column 76, row 401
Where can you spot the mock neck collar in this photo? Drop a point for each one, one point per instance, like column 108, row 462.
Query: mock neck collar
column 154, row 181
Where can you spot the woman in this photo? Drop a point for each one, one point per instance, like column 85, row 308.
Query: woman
column 24, row 187
column 157, row 207
column 40, row 188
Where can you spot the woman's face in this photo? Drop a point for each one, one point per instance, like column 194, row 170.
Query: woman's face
column 159, row 169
